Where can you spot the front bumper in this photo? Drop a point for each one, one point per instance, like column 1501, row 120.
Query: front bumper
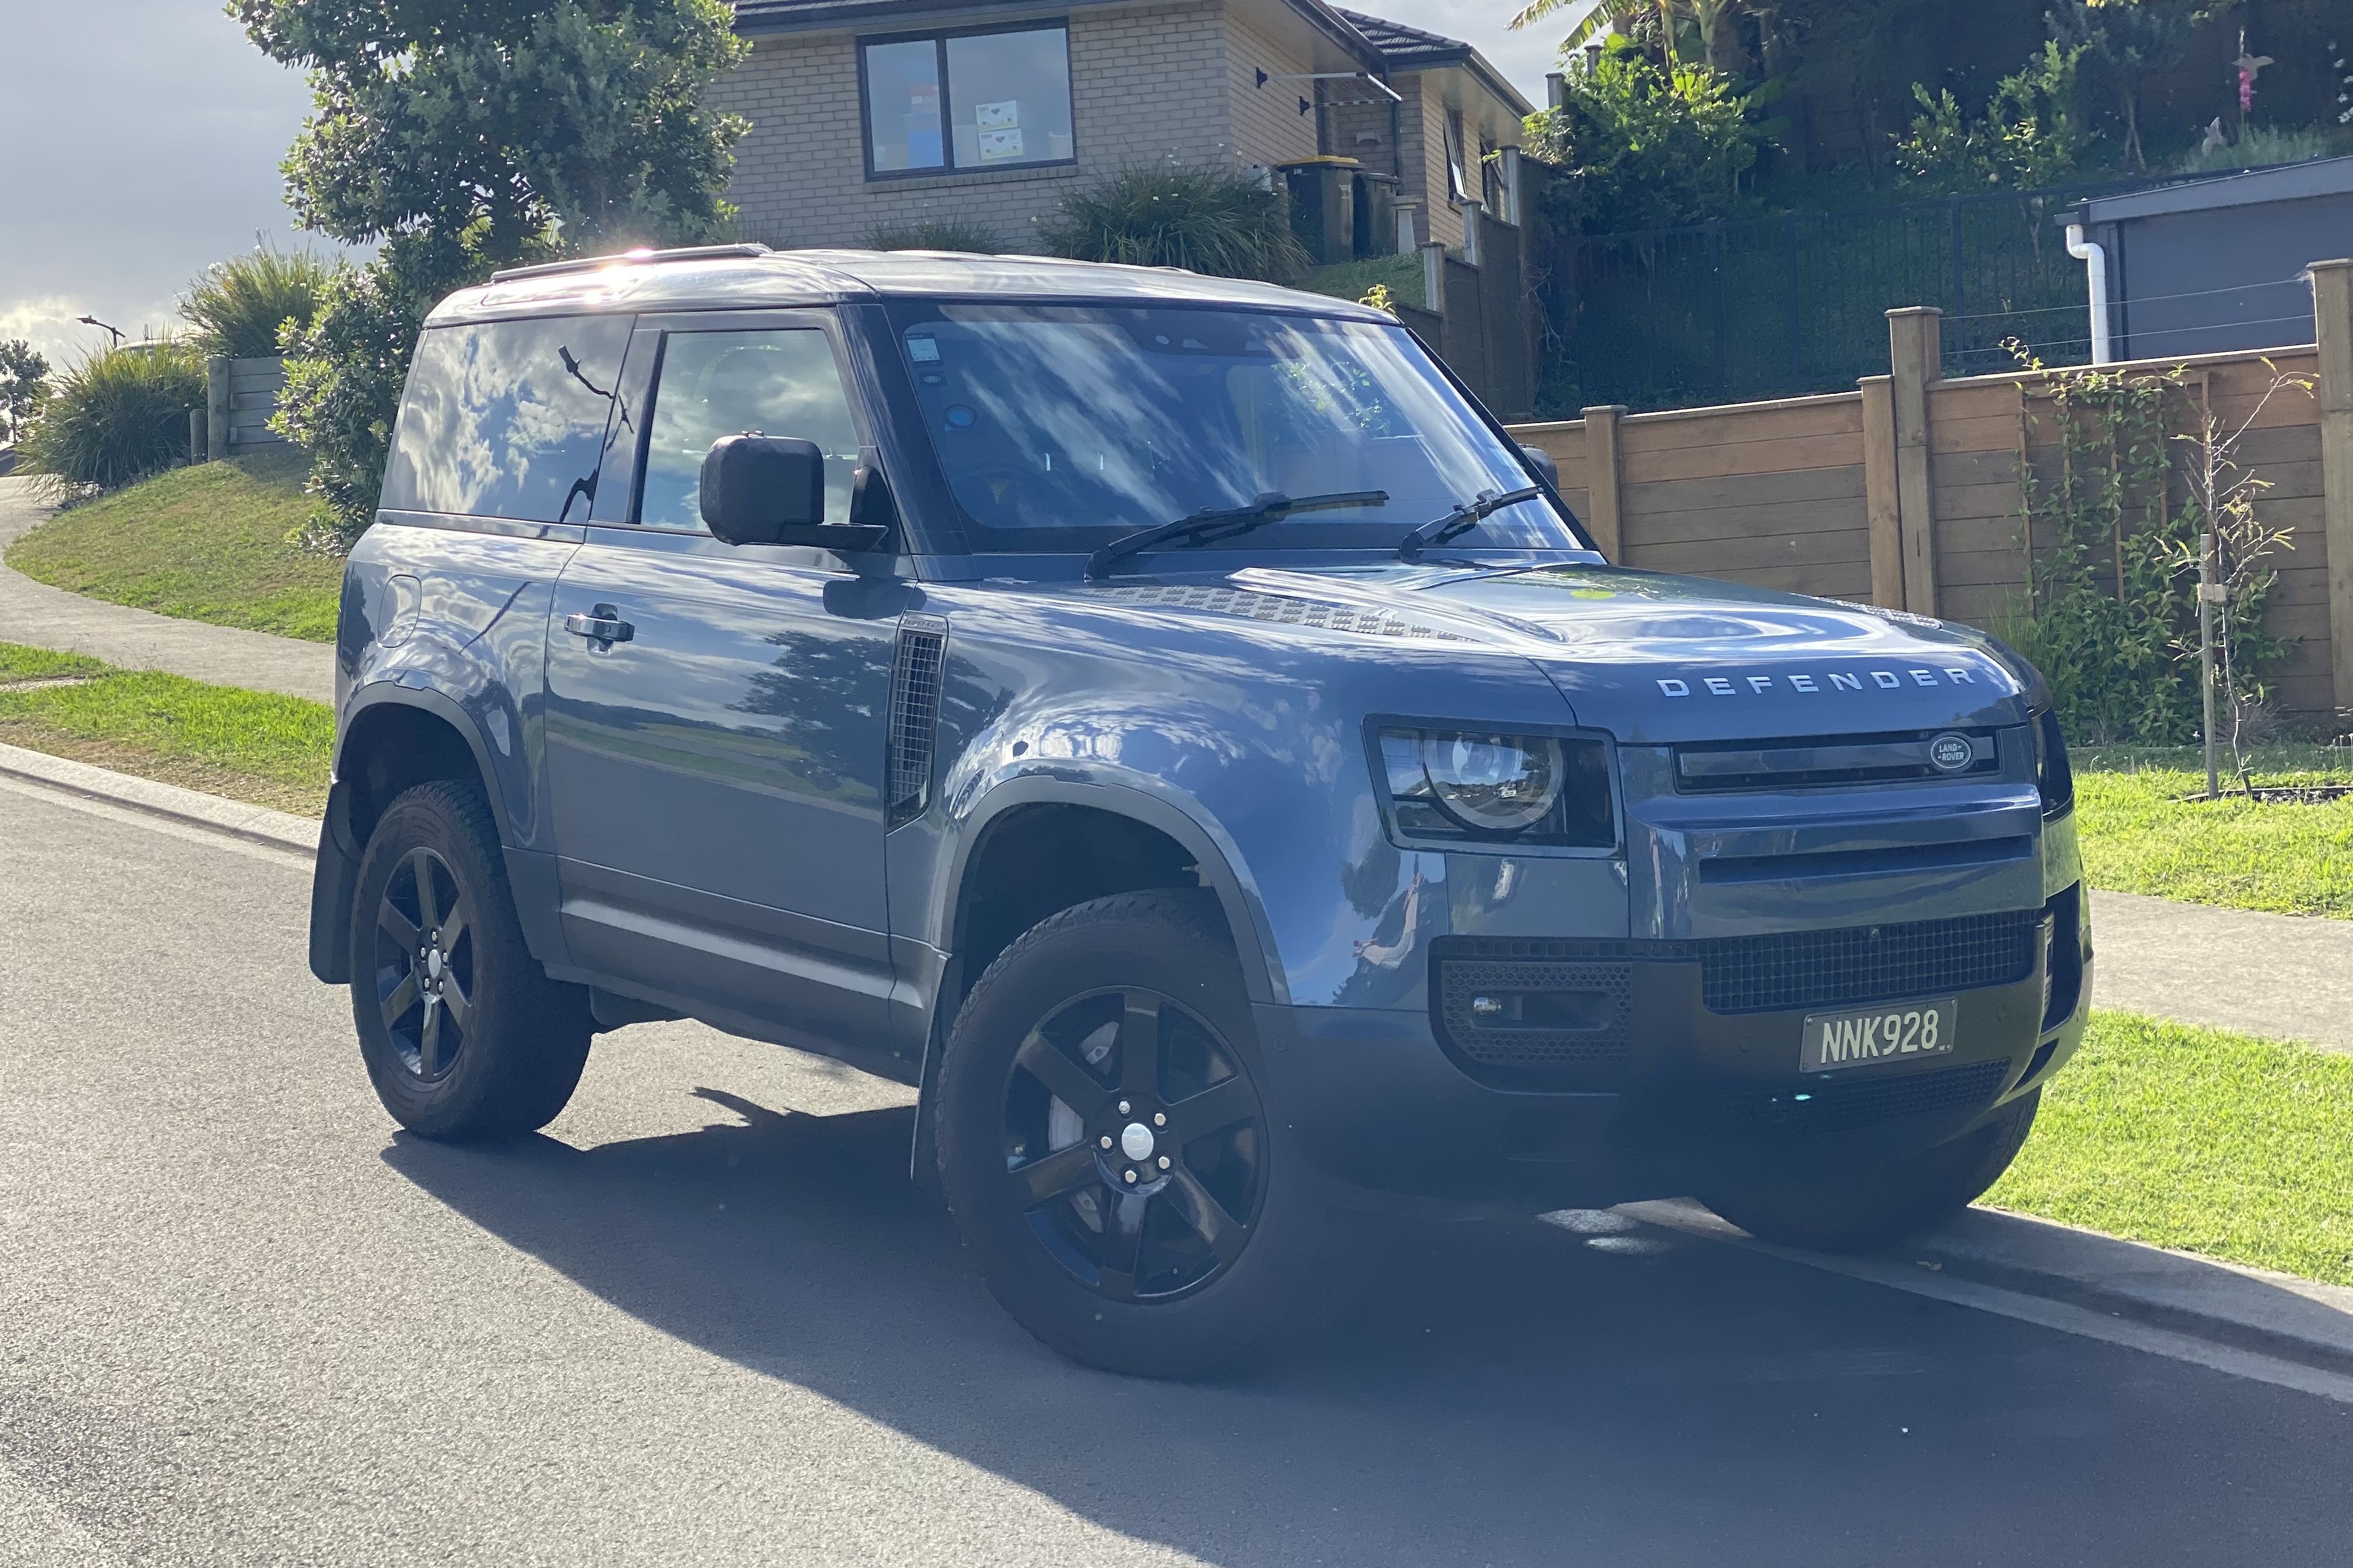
column 1384, row 1108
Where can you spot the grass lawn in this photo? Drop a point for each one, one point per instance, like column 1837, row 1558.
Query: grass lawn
column 204, row 543
column 2197, row 1139
column 2140, row 836
column 18, row 662
column 249, row 745
column 1354, row 279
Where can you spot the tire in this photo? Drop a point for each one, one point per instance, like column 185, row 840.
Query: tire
column 1879, row 1208
column 464, row 1036
column 1225, row 1238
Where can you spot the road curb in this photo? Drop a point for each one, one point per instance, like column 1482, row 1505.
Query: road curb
column 188, row 807
column 2254, row 1309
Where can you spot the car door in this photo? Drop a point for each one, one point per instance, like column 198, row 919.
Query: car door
column 717, row 712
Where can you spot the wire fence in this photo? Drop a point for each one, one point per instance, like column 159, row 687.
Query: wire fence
column 1782, row 306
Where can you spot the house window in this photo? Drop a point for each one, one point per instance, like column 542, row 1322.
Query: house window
column 994, row 99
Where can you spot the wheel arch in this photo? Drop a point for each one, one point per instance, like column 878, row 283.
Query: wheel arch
column 1159, row 844
column 393, row 739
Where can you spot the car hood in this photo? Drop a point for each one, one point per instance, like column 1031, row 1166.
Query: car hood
column 1650, row 657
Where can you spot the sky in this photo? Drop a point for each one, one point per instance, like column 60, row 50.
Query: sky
column 148, row 135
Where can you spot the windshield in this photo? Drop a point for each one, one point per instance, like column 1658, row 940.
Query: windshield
column 1061, row 427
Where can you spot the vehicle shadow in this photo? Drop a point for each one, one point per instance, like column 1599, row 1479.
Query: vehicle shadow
column 1500, row 1392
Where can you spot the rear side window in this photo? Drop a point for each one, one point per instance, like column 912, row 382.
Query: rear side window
column 506, row 418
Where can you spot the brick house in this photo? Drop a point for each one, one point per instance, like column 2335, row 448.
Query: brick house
column 869, row 114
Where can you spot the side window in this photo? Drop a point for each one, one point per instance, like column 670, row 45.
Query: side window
column 779, row 382
column 507, row 418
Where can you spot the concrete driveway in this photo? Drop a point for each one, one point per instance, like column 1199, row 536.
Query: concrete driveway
column 705, row 1320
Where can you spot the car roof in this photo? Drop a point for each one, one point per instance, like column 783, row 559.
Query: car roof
column 748, row 278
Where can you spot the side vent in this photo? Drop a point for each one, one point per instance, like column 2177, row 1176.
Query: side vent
column 914, row 714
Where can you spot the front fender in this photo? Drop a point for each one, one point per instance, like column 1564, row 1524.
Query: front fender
column 1141, row 798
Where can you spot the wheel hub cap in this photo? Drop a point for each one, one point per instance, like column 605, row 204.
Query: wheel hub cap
column 1135, row 1140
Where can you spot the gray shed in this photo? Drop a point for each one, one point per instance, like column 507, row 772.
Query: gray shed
column 2216, row 264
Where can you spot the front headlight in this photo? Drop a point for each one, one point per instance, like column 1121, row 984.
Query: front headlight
column 1530, row 789
column 1493, row 783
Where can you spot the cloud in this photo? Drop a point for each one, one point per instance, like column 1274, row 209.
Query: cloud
column 1523, row 56
column 162, row 133
column 48, row 322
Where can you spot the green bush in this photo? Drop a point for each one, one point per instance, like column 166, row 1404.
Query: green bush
column 2030, row 135
column 346, row 369
column 1204, row 219
column 119, row 415
column 2259, row 145
column 936, row 233
column 1645, row 147
column 238, row 305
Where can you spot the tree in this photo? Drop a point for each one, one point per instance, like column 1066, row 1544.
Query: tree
column 1647, row 146
column 2128, row 41
column 2028, row 137
column 1866, row 52
column 470, row 136
column 24, row 383
column 1713, row 27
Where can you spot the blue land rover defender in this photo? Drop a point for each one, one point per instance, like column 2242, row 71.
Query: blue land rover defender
column 1165, row 721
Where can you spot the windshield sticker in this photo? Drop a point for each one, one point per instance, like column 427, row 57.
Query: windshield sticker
column 924, row 350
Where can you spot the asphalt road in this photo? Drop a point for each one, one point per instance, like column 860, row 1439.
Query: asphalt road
column 705, row 1320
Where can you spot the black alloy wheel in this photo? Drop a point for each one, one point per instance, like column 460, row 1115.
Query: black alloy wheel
column 425, row 964
column 463, row 1034
column 1134, row 1145
column 1113, row 1148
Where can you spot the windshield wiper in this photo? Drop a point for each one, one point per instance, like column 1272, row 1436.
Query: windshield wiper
column 1462, row 520
column 1207, row 525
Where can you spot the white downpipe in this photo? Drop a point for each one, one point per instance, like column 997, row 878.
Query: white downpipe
column 2095, row 274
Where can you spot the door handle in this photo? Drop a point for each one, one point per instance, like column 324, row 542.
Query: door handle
column 602, row 624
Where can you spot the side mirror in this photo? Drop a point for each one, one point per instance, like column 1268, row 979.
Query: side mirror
column 1539, row 460
column 770, row 489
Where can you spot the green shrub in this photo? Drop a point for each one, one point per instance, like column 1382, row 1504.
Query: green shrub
column 1204, row 219
column 346, row 369
column 2030, row 135
column 937, row 234
column 238, row 305
column 2259, row 145
column 119, row 415
column 1645, row 146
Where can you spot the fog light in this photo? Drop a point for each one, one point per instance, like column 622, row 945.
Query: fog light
column 1487, row 1009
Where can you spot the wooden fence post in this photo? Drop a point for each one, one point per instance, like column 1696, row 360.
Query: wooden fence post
column 1603, row 512
column 218, row 406
column 1882, row 513
column 1916, row 359
column 2332, row 315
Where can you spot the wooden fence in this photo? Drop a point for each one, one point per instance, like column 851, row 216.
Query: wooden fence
column 240, row 395
column 1905, row 492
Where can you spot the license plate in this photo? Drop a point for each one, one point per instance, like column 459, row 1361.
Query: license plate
column 1903, row 1032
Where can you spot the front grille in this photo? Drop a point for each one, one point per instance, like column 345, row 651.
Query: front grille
column 1580, row 1042
column 1787, row 970
column 1901, row 756
column 1810, row 1106
column 1784, row 970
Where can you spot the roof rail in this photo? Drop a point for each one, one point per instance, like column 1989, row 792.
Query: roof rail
column 589, row 263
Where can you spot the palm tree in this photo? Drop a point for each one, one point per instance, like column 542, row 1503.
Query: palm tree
column 1717, row 22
